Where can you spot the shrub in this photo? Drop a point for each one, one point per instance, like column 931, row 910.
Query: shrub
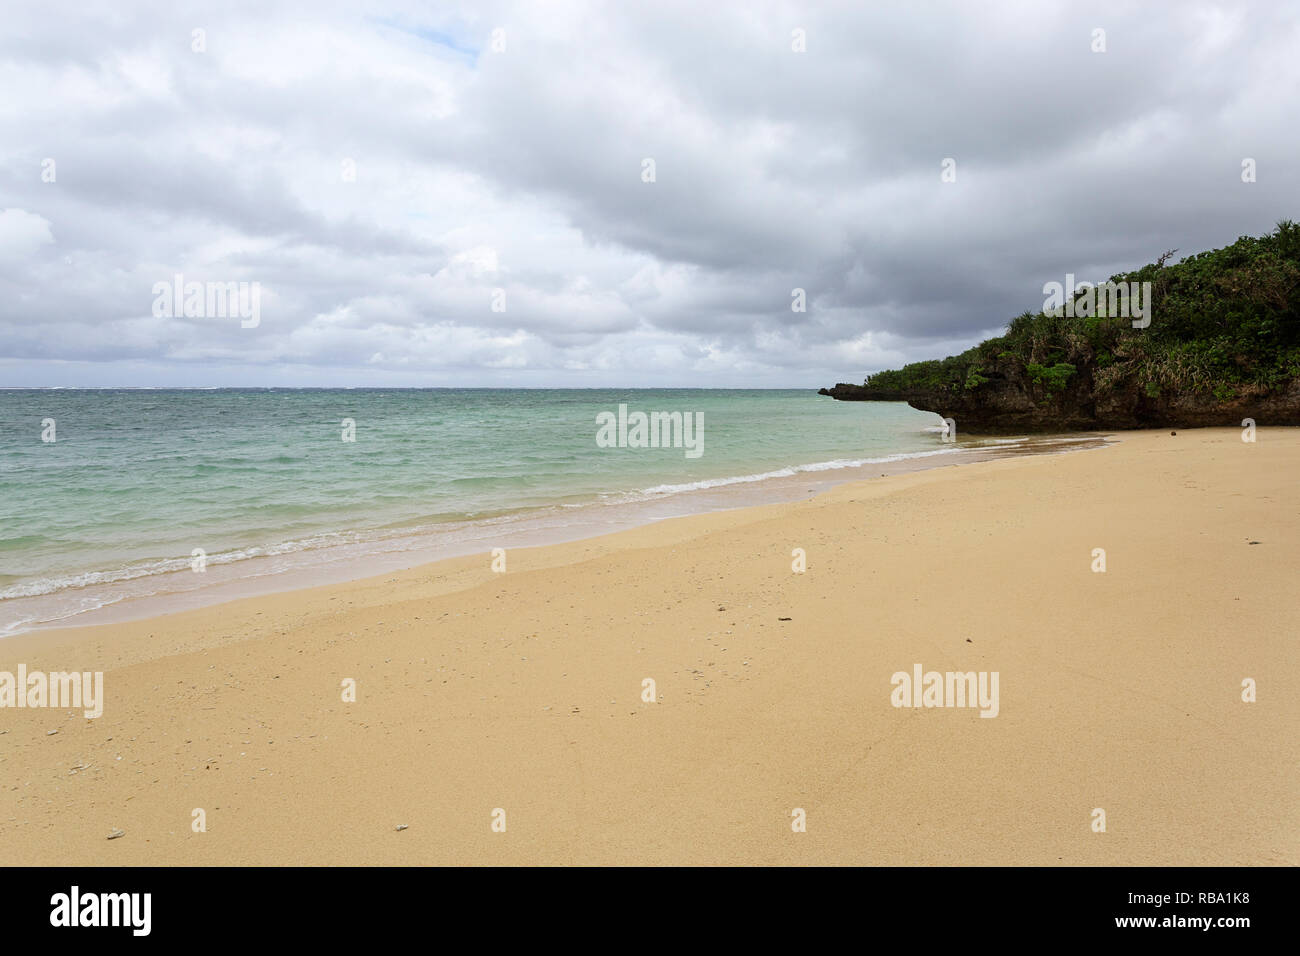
column 1053, row 378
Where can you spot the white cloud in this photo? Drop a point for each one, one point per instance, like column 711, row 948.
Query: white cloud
column 521, row 170
column 22, row 233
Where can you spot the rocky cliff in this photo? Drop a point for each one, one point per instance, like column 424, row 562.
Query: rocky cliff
column 1008, row 404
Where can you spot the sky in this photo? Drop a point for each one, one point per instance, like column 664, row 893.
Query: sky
column 607, row 194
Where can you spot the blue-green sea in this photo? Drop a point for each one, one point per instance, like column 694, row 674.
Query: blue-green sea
column 113, row 494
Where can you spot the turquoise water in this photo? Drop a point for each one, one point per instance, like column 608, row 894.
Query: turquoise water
column 136, row 480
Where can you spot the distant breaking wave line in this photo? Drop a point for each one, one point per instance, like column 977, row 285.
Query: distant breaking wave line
column 789, row 472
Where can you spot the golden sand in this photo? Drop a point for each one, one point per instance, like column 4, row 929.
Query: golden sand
column 522, row 691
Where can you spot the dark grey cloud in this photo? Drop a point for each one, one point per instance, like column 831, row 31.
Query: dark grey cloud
column 497, row 229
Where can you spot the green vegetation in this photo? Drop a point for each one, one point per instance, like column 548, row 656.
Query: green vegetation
column 1054, row 378
column 1221, row 322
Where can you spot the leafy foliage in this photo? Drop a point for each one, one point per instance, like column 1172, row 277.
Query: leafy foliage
column 1053, row 378
column 1221, row 321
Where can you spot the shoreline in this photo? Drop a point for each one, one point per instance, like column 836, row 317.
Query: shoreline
column 167, row 593
column 523, row 690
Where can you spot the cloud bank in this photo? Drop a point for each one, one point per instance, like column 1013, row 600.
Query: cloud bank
column 455, row 194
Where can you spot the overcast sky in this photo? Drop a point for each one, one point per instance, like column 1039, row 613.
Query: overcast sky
column 522, row 169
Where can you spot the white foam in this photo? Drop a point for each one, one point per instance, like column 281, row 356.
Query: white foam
column 788, row 472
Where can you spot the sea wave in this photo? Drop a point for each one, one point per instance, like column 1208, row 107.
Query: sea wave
column 160, row 566
column 789, row 472
column 377, row 537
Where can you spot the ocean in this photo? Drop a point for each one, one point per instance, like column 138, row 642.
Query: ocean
column 112, row 495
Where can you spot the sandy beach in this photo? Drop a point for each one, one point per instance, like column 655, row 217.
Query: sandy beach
column 521, row 691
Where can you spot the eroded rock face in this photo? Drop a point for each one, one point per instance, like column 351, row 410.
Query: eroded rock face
column 845, row 392
column 1009, row 404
